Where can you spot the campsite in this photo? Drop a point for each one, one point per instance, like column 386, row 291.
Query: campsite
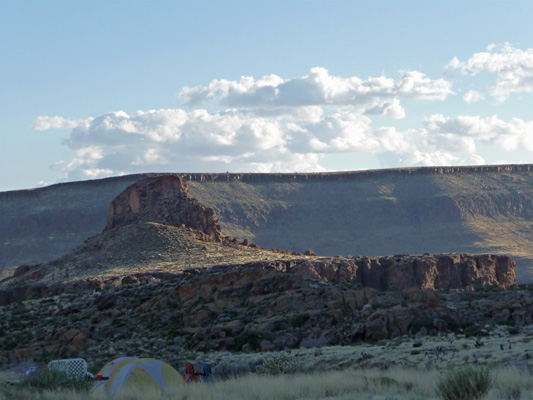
column 396, row 370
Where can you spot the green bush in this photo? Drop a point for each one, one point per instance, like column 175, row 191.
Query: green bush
column 487, row 288
column 514, row 330
column 467, row 327
column 278, row 365
column 299, row 320
column 247, row 337
column 465, row 383
column 423, row 322
column 474, row 331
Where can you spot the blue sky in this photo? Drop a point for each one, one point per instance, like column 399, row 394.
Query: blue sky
column 92, row 89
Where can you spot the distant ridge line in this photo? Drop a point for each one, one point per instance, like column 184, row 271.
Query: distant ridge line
column 288, row 176
column 362, row 174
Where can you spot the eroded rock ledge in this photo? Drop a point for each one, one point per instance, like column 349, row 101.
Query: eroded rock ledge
column 391, row 273
column 165, row 200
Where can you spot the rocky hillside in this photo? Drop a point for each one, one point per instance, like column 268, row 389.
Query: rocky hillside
column 260, row 306
column 399, row 211
column 40, row 225
column 161, row 278
column 156, row 225
column 373, row 213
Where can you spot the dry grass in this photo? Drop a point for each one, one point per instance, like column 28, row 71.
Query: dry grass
column 151, row 248
column 393, row 384
column 504, row 235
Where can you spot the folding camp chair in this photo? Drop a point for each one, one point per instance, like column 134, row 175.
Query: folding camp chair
column 71, row 367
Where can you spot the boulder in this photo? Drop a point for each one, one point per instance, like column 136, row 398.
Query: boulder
column 79, row 342
column 375, row 330
column 330, row 337
column 267, row 346
column 286, row 341
column 440, row 325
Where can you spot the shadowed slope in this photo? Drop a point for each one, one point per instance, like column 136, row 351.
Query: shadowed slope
column 382, row 213
column 399, row 211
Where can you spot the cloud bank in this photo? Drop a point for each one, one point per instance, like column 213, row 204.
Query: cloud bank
column 513, row 68
column 273, row 124
column 319, row 88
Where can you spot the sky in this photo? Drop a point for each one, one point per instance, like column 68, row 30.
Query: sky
column 92, row 89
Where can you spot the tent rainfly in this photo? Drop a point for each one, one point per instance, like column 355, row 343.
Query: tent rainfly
column 136, row 374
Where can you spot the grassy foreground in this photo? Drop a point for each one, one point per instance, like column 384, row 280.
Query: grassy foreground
column 393, row 384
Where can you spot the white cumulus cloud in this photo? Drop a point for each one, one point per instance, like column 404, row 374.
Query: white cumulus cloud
column 319, row 88
column 509, row 135
column 44, row 123
column 473, row 96
column 176, row 140
column 513, row 68
column 273, row 124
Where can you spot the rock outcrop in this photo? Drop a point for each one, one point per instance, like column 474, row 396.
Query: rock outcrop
column 437, row 271
column 165, row 200
column 294, row 301
column 430, row 271
column 251, row 307
column 391, row 273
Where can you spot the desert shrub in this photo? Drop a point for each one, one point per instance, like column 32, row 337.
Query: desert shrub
column 465, row 383
column 299, row 320
column 488, row 288
column 514, row 330
column 384, row 381
column 278, row 365
column 423, row 322
column 233, row 369
column 247, row 337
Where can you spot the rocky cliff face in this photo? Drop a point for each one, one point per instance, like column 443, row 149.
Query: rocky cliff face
column 165, row 200
column 395, row 273
column 260, row 306
column 430, row 271
column 437, row 271
column 293, row 301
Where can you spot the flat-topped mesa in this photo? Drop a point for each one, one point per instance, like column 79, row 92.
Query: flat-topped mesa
column 165, row 200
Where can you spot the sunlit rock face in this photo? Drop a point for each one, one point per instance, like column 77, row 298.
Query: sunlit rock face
column 165, row 200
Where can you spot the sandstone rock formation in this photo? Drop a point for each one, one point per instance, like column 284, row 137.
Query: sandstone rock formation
column 391, row 273
column 430, row 271
column 166, row 200
column 307, row 302
column 294, row 301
